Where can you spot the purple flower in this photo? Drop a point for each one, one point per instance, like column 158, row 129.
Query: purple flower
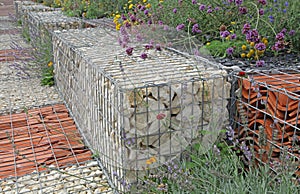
column 260, row 46
column 280, row 36
column 243, row 10
column 217, row 8
column 230, row 1
column 209, row 10
column 233, row 36
column 149, row 22
column 238, row 2
column 252, row 36
column 149, row 46
column 284, row 10
column 180, row 27
column 229, row 51
column 224, row 34
column 158, row 47
column 144, row 56
column 284, row 30
column 133, row 18
column 279, row 45
column 246, row 28
column 202, row 7
column 129, row 50
column 195, row 29
column 263, row 2
column 194, row 1
column 261, row 11
column 123, row 17
column 174, row 10
column 271, row 18
column 292, row 32
column 142, row 8
column 286, row 4
column 146, row 12
column 260, row 63
column 160, row 22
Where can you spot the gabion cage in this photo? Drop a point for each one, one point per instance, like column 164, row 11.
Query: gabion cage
column 131, row 110
column 266, row 118
column 25, row 7
column 41, row 24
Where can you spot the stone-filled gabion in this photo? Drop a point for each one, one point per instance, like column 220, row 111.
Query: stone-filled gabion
column 134, row 112
column 41, row 24
column 25, row 7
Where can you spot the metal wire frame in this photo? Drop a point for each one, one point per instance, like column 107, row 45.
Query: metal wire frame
column 94, row 84
column 251, row 120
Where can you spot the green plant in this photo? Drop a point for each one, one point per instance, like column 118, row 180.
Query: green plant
column 25, row 34
column 44, row 58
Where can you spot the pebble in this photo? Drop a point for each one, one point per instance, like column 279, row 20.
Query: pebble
column 49, row 181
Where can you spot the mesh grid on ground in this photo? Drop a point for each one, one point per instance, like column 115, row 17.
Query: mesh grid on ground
column 41, row 136
column 267, row 116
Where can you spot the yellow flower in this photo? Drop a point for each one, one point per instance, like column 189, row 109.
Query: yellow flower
column 260, row 52
column 228, row 37
column 233, row 23
column 144, row 1
column 248, row 55
column 50, row 64
column 151, row 160
column 251, row 51
column 244, row 47
column 231, row 31
column 208, row 43
column 129, row 1
column 118, row 16
column 265, row 41
column 243, row 55
column 148, row 5
column 130, row 6
column 118, row 26
column 252, row 43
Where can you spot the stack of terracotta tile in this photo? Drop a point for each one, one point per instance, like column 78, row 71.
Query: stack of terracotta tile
column 269, row 113
column 38, row 138
column 15, row 54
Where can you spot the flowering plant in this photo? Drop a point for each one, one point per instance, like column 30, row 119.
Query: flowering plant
column 248, row 28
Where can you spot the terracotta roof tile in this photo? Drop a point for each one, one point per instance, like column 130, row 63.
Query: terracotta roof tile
column 41, row 136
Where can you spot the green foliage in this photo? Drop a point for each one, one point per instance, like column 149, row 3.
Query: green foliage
column 218, row 48
column 25, row 34
column 220, row 170
column 44, row 58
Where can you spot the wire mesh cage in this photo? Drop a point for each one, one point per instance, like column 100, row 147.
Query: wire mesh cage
column 265, row 117
column 41, row 24
column 137, row 114
column 25, row 7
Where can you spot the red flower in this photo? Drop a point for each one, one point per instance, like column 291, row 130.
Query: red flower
column 160, row 116
column 242, row 73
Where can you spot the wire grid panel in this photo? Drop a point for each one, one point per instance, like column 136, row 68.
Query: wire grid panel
column 266, row 118
column 41, row 24
column 132, row 110
column 25, row 7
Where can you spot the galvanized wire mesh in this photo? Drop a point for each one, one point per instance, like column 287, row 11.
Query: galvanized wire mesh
column 131, row 110
column 265, row 117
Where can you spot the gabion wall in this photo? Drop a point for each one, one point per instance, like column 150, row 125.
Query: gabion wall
column 25, row 7
column 130, row 109
column 41, row 24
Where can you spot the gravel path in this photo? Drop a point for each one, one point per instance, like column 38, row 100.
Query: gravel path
column 20, row 89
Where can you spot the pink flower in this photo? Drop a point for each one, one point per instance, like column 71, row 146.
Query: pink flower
column 160, row 116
